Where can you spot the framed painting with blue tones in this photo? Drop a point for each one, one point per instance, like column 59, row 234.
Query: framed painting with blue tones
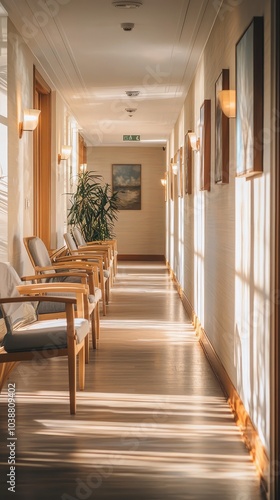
column 126, row 180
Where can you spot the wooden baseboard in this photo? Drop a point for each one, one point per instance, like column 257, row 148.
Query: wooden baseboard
column 242, row 418
column 249, row 433
column 155, row 258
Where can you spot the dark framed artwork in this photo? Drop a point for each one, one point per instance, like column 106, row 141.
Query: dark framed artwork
column 221, row 132
column 126, row 180
column 181, row 172
column 249, row 100
column 188, row 164
column 205, row 145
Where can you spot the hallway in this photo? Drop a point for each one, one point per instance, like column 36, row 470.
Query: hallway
column 152, row 422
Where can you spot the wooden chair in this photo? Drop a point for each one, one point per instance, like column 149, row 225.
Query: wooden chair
column 99, row 256
column 27, row 337
column 67, row 272
column 83, row 244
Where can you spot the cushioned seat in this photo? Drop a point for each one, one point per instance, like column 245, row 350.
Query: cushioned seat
column 46, row 334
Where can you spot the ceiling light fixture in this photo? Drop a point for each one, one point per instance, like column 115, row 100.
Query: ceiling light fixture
column 127, row 4
column 132, row 93
column 127, row 26
column 130, row 111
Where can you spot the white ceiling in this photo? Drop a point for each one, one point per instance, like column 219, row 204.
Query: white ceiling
column 92, row 61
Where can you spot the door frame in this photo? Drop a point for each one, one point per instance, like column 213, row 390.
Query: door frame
column 42, row 160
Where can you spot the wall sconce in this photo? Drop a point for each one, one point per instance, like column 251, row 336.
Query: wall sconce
column 83, row 167
column 163, row 182
column 30, row 121
column 195, row 141
column 174, row 168
column 227, row 100
column 65, row 153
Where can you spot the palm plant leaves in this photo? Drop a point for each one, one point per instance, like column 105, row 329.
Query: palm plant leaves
column 93, row 208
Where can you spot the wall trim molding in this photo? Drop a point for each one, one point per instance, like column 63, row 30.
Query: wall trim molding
column 249, row 433
column 133, row 257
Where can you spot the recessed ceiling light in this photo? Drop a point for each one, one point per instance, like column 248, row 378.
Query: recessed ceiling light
column 127, row 4
column 130, row 111
column 127, row 26
column 132, row 93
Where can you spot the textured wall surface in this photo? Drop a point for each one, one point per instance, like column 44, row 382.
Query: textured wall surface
column 227, row 237
column 139, row 232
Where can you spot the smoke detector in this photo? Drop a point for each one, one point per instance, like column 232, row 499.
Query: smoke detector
column 127, row 4
column 132, row 93
column 127, row 26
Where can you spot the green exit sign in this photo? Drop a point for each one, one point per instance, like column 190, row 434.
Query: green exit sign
column 131, row 137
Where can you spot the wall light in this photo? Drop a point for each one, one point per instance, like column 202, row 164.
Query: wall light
column 30, row 121
column 227, row 100
column 195, row 141
column 174, row 168
column 83, row 167
column 65, row 153
column 163, row 182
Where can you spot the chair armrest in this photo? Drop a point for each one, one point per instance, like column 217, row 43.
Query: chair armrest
column 53, row 287
column 80, row 290
column 40, row 277
column 92, row 256
column 38, row 298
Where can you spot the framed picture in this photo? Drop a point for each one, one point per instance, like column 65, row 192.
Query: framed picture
column 205, row 145
column 221, row 132
column 181, row 173
column 188, row 164
column 249, row 100
column 126, row 179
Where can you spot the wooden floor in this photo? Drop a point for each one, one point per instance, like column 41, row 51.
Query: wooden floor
column 152, row 422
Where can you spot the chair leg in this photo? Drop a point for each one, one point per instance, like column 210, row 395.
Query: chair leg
column 107, row 290
column 82, row 368
column 97, row 321
column 87, row 349
column 5, row 370
column 72, row 377
column 103, row 292
column 93, row 327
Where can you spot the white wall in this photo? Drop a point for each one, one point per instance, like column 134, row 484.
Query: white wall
column 3, row 139
column 20, row 151
column 227, row 231
column 20, row 154
column 139, row 232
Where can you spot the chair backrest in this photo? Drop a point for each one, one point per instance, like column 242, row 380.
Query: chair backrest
column 37, row 251
column 78, row 236
column 70, row 242
column 15, row 314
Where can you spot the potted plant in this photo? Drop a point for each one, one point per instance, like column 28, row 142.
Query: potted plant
column 93, row 208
